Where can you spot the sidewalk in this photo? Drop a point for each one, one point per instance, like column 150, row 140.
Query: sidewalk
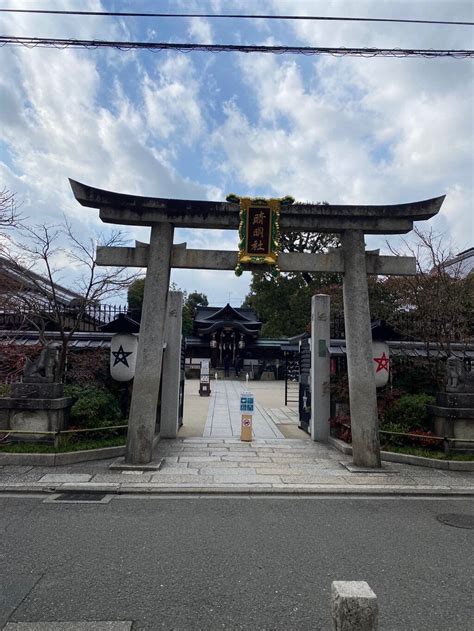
column 218, row 462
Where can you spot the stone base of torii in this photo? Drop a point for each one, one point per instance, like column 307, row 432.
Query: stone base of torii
column 352, row 260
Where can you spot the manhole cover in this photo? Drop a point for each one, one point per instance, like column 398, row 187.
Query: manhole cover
column 458, row 520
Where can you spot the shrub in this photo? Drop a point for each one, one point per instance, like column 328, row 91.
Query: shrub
column 393, row 439
column 5, row 390
column 340, row 388
column 341, row 427
column 424, row 439
column 88, row 366
column 386, row 399
column 94, row 406
column 409, row 412
column 13, row 357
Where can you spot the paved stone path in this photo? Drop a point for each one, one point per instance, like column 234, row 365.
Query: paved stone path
column 219, row 462
column 283, row 415
column 223, row 418
column 210, row 465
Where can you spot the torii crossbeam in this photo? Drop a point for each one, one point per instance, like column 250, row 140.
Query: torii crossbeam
column 352, row 260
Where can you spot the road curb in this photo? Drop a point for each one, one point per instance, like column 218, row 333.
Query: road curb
column 346, row 490
column 65, row 457
column 60, row 459
column 418, row 461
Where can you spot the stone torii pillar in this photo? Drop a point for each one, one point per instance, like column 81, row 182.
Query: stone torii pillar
column 352, row 260
column 146, row 384
column 361, row 376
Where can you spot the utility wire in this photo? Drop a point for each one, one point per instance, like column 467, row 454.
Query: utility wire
column 45, row 42
column 238, row 16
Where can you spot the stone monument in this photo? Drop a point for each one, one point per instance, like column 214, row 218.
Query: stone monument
column 453, row 414
column 37, row 404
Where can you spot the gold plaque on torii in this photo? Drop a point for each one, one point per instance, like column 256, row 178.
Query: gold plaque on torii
column 259, row 231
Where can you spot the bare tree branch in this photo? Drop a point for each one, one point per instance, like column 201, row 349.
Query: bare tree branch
column 10, row 215
column 38, row 291
column 439, row 296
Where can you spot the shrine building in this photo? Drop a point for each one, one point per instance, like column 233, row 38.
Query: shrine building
column 231, row 335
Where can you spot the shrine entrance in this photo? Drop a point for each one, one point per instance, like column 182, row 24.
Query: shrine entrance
column 159, row 313
column 224, row 335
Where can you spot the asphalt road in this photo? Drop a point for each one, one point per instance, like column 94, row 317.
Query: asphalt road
column 233, row 563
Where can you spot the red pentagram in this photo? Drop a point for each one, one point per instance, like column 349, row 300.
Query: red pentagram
column 382, row 362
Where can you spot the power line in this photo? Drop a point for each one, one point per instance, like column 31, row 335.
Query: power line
column 237, row 16
column 45, row 42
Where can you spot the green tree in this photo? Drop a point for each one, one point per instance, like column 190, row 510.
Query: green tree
column 284, row 303
column 194, row 300
column 135, row 297
column 190, row 303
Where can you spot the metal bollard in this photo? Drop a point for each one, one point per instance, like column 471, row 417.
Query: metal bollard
column 353, row 606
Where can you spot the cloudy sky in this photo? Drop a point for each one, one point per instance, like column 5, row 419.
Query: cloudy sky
column 202, row 125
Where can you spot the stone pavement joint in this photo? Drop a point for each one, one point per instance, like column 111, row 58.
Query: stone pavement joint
column 223, row 418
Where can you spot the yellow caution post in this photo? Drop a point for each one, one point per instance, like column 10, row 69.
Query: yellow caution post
column 246, row 428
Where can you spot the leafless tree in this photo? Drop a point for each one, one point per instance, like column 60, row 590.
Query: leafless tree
column 9, row 212
column 440, row 297
column 10, row 216
column 41, row 255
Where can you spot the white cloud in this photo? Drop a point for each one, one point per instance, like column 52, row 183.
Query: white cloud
column 358, row 130
column 172, row 100
column 200, row 31
column 199, row 126
column 56, row 125
column 220, row 287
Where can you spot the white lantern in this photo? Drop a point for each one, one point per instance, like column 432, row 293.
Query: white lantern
column 381, row 363
column 123, row 356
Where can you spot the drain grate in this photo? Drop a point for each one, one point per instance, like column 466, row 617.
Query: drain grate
column 458, row 520
column 79, row 498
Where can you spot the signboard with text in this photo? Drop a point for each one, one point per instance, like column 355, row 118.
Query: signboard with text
column 246, row 402
column 259, row 231
column 204, row 381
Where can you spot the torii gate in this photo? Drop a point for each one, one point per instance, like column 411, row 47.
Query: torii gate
column 352, row 260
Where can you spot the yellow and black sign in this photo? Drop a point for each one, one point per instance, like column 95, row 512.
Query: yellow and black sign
column 259, row 231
